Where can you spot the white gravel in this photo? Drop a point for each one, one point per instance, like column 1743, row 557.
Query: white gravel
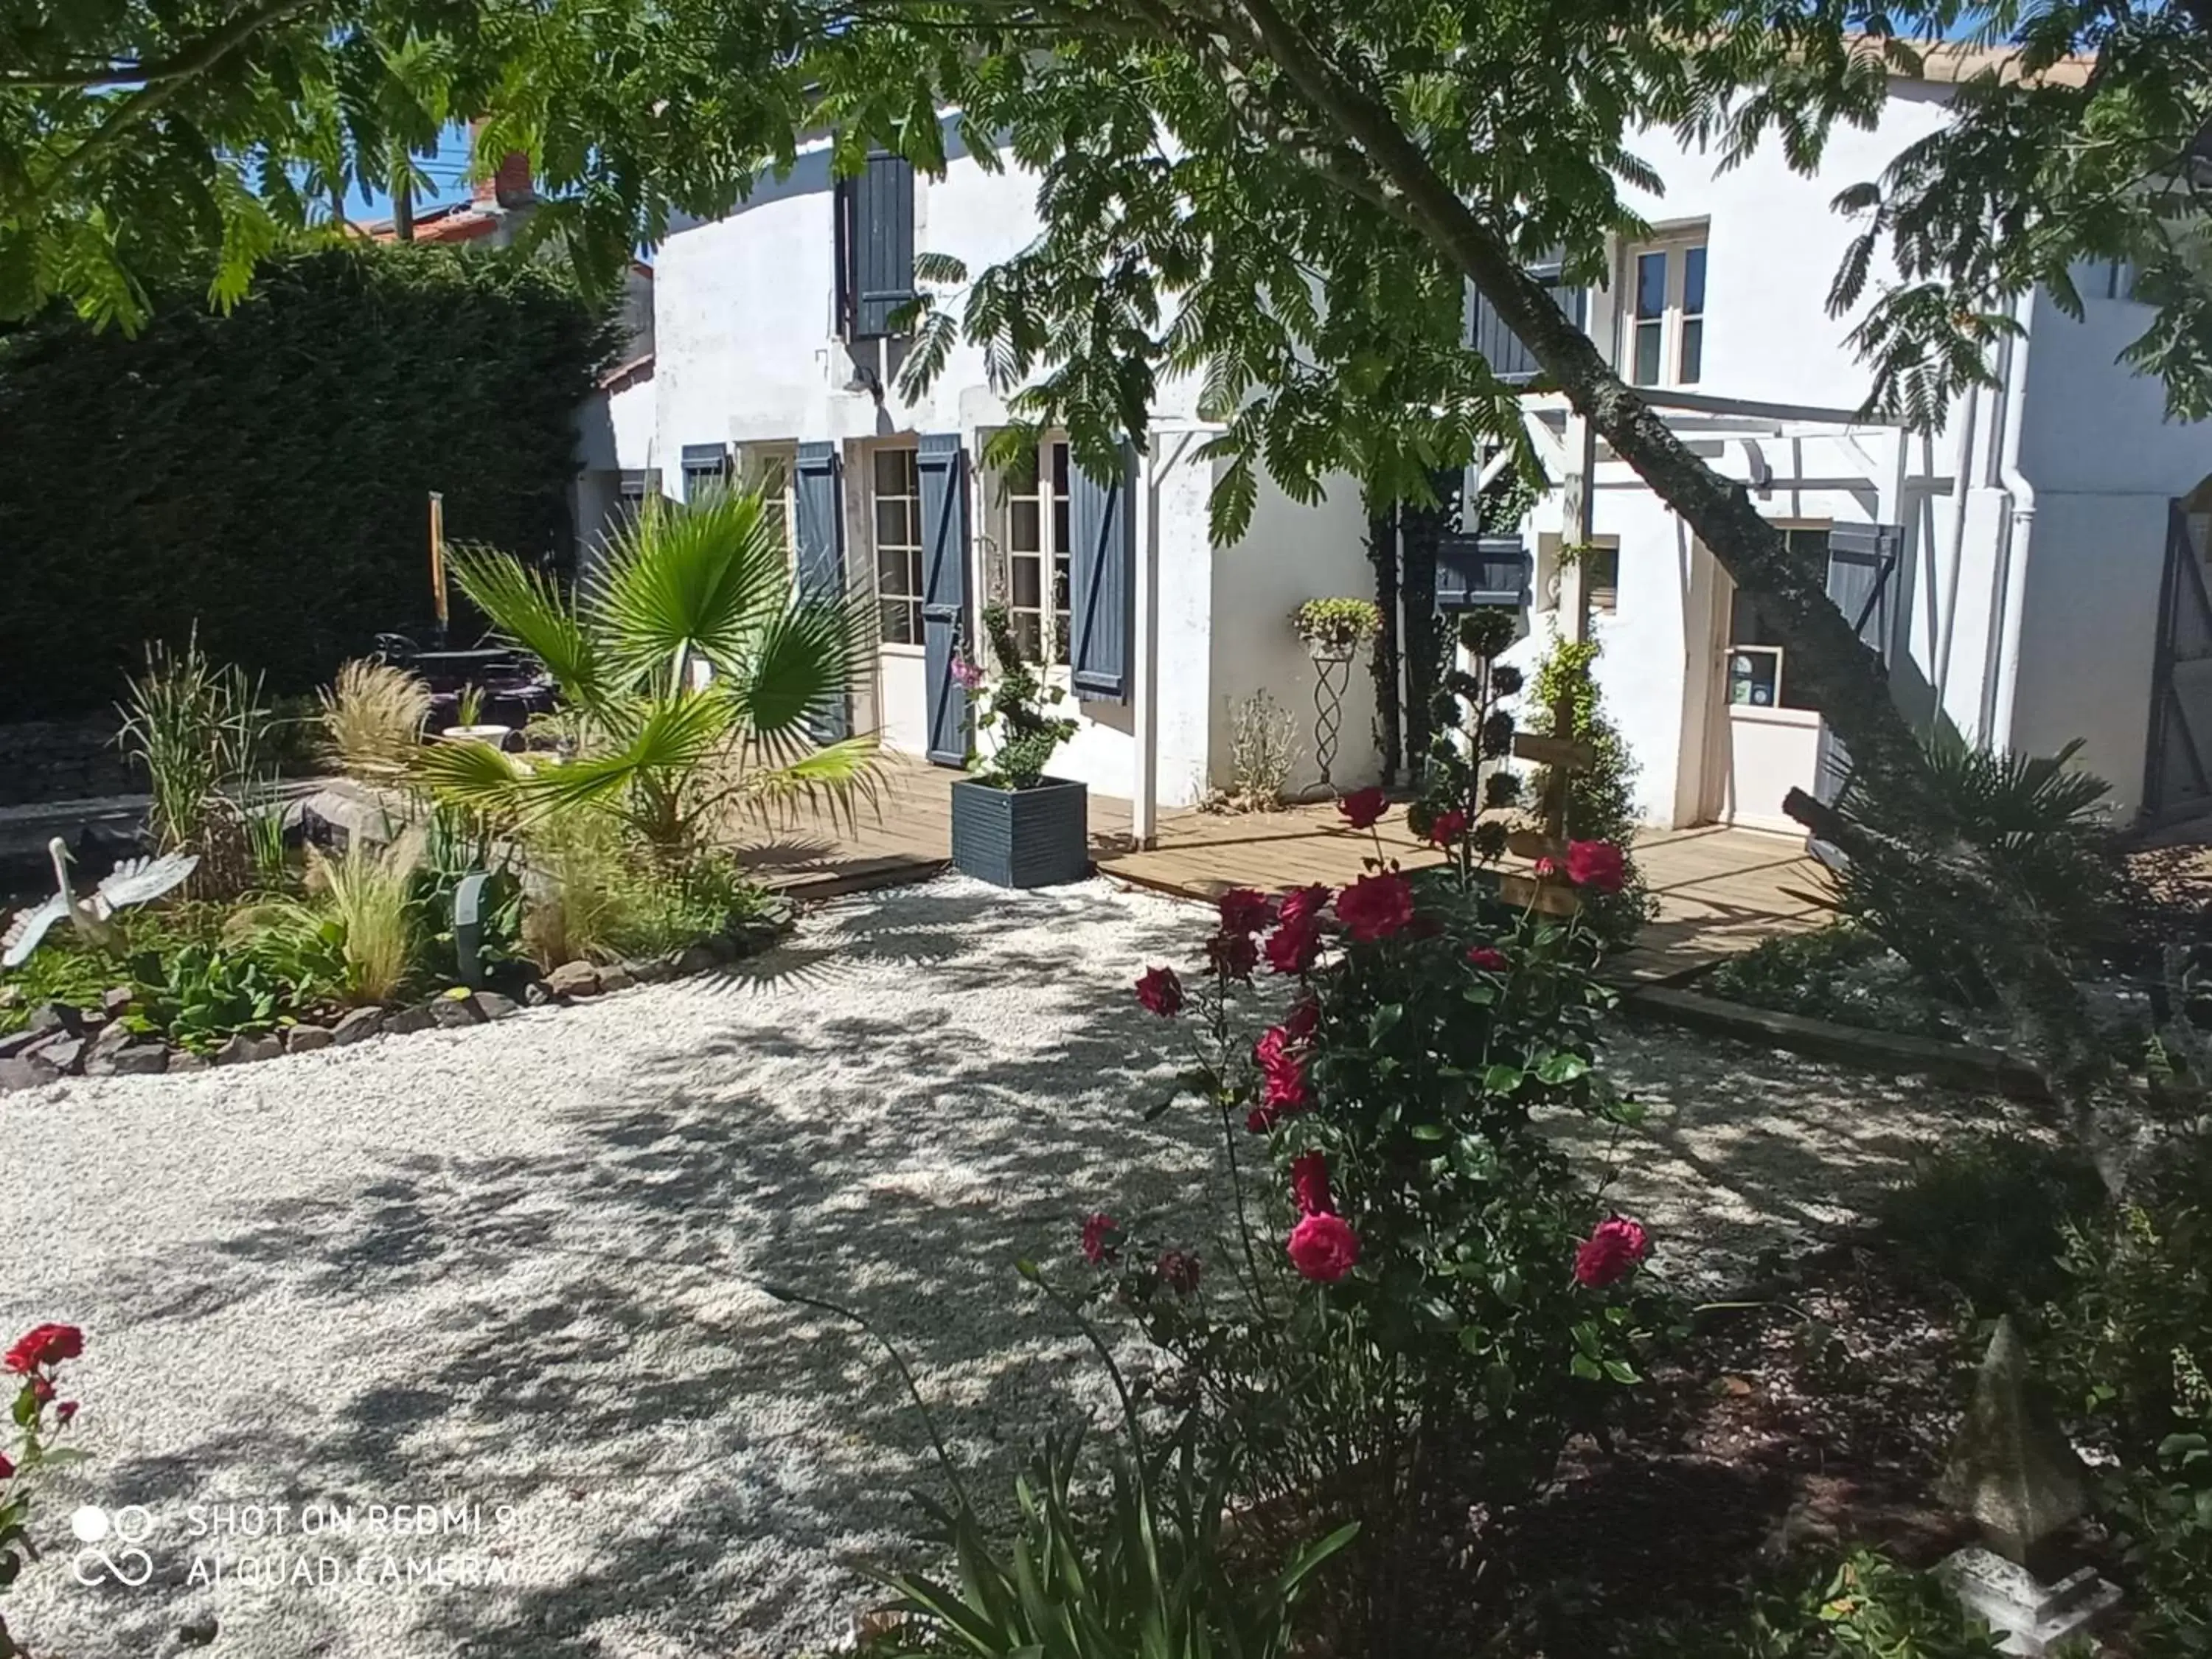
column 515, row 1272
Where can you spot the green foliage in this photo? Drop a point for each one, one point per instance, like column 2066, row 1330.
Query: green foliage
column 1336, row 627
column 1602, row 800
column 64, row 969
column 262, row 475
column 200, row 734
column 1990, row 1216
column 1864, row 1607
column 197, row 995
column 695, row 670
column 2040, row 824
column 590, row 896
column 1841, row 973
column 1013, row 707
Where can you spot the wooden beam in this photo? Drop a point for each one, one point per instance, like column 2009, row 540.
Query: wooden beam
column 1562, row 753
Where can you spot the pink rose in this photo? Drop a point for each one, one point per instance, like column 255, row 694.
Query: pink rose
column 1292, row 947
column 1245, row 910
column 1597, row 864
column 1375, row 907
column 1160, row 992
column 1488, row 957
column 1363, row 809
column 1611, row 1254
column 1324, row 1247
column 1303, row 904
column 1102, row 1238
column 1309, row 1184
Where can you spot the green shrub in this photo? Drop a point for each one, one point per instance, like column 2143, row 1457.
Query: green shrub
column 264, row 473
column 1865, row 1608
column 1602, row 799
column 1842, row 973
column 1992, row 1218
column 1013, row 707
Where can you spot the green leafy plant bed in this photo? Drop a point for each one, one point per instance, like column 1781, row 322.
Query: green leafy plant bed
column 1841, row 974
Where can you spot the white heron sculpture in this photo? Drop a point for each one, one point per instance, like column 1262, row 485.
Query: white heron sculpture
column 134, row 881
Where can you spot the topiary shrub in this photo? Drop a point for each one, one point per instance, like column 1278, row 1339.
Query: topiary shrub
column 1602, row 800
column 263, row 474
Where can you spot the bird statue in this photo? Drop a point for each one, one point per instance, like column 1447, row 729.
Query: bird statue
column 132, row 882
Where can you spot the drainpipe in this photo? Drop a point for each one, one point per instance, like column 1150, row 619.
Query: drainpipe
column 1946, row 619
column 2010, row 603
column 1144, row 693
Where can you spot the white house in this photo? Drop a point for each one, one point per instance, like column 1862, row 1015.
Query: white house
column 2014, row 569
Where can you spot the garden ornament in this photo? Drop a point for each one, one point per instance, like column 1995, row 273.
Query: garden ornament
column 132, row 882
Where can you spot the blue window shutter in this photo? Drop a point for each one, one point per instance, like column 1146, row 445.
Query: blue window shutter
column 1101, row 535
column 875, row 227
column 943, row 470
column 705, row 465
column 1474, row 570
column 1862, row 561
column 1485, row 331
column 818, row 511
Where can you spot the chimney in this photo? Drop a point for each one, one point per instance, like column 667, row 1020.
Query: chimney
column 508, row 187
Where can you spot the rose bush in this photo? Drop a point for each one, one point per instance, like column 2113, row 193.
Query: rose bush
column 36, row 1359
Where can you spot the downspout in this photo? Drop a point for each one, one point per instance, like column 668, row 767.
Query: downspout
column 2010, row 606
column 1946, row 619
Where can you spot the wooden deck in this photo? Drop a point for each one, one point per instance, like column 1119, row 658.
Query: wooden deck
column 1720, row 891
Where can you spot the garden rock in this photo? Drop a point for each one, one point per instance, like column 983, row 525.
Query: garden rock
column 697, row 959
column 244, row 1050
column 115, row 1001
column 651, row 971
column 495, row 1006
column 111, row 1039
column 136, row 1060
column 574, row 979
column 535, row 995
column 16, row 1042
column 406, row 1022
column 49, row 1017
column 616, row 978
column 307, row 1039
column 184, row 1060
column 362, row 1022
column 26, row 1072
column 455, row 1012
column 63, row 1053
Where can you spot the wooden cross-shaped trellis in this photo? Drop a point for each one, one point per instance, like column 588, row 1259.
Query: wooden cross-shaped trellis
column 1562, row 756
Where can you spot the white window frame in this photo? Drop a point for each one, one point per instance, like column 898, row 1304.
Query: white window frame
column 772, row 468
column 1778, row 709
column 912, row 548
column 1050, row 615
column 1673, row 326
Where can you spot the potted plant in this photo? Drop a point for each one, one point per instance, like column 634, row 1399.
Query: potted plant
column 1014, row 826
column 1332, row 630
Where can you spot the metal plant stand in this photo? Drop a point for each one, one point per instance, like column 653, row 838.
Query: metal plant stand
column 1332, row 673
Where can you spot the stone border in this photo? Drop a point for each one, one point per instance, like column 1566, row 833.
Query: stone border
column 61, row 1042
column 1962, row 1064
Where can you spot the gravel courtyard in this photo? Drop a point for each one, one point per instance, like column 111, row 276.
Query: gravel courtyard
column 514, row 1272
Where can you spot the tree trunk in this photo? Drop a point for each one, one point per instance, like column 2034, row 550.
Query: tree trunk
column 1423, row 526
column 1383, row 553
column 403, row 209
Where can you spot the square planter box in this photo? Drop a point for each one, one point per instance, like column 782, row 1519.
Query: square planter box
column 1035, row 837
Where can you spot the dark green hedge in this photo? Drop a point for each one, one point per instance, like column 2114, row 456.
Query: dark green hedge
column 264, row 474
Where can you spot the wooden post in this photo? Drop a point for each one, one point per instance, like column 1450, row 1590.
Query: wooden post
column 1576, row 517
column 438, row 559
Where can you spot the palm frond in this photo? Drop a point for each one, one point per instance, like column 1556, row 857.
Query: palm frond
column 843, row 775
column 675, row 737
column 687, row 582
column 475, row 775
column 529, row 609
column 802, row 657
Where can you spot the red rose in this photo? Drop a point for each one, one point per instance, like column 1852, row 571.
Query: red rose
column 1309, row 1184
column 1375, row 906
column 1292, row 947
column 1304, row 1016
column 7, row 1469
column 1303, row 904
column 41, row 1390
column 1363, row 809
column 1597, row 864
column 1611, row 1254
column 1285, row 1088
column 65, row 1411
column 45, row 1344
column 1488, row 957
column 1260, row 1119
column 1245, row 910
column 1102, row 1237
column 1324, row 1247
column 1232, row 954
column 1448, row 827
column 1178, row 1272
column 1160, row 992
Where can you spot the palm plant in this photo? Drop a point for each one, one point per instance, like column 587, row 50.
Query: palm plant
column 693, row 671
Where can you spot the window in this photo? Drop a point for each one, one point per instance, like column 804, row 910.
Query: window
column 705, row 468
column 770, row 469
column 1601, row 578
column 1036, row 545
column 1666, row 317
column 1758, row 676
column 898, row 546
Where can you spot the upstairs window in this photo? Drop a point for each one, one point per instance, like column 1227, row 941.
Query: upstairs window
column 874, row 246
column 1666, row 320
